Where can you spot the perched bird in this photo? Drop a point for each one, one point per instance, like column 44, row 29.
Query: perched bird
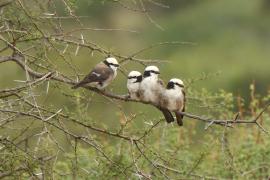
column 102, row 74
column 133, row 84
column 151, row 89
column 174, row 99
column 151, row 86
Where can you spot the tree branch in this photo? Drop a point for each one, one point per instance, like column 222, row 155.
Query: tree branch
column 19, row 59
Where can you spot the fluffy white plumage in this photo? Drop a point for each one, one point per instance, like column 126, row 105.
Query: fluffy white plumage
column 151, row 68
column 175, row 96
column 150, row 88
column 112, row 60
column 114, row 64
column 133, row 84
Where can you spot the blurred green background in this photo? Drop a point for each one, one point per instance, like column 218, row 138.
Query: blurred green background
column 231, row 36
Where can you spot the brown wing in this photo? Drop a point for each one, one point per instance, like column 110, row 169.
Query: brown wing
column 184, row 105
column 179, row 117
column 99, row 74
column 167, row 114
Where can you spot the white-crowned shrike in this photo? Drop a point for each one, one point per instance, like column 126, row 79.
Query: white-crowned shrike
column 102, row 74
column 174, row 99
column 151, row 90
column 133, row 84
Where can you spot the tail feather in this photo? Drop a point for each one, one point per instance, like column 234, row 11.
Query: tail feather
column 167, row 114
column 179, row 118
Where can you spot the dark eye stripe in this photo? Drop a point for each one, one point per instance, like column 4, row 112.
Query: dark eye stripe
column 132, row 77
column 115, row 65
column 110, row 64
column 180, row 85
column 156, row 72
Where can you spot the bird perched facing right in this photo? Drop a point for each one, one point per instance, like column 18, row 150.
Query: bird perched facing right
column 133, row 84
column 102, row 74
column 174, row 99
column 151, row 89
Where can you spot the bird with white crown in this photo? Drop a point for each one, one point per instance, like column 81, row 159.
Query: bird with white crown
column 173, row 98
column 102, row 74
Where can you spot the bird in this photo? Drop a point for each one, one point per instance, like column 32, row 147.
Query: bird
column 151, row 85
column 133, row 84
column 174, row 99
column 102, row 74
column 151, row 89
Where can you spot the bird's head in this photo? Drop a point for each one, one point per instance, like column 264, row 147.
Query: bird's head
column 175, row 84
column 151, row 71
column 112, row 63
column 134, row 77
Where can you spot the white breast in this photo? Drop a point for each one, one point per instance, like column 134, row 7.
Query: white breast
column 174, row 98
column 114, row 74
column 133, row 89
column 150, row 89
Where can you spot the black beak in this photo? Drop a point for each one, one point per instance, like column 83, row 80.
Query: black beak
column 139, row 79
column 170, row 85
column 146, row 74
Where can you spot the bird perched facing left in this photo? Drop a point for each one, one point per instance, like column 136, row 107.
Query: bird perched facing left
column 174, row 99
column 133, row 84
column 151, row 86
column 151, row 89
column 102, row 74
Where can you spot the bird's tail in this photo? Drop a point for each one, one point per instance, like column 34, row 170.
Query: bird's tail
column 179, row 118
column 167, row 114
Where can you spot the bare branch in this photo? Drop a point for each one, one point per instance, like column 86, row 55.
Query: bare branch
column 63, row 79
